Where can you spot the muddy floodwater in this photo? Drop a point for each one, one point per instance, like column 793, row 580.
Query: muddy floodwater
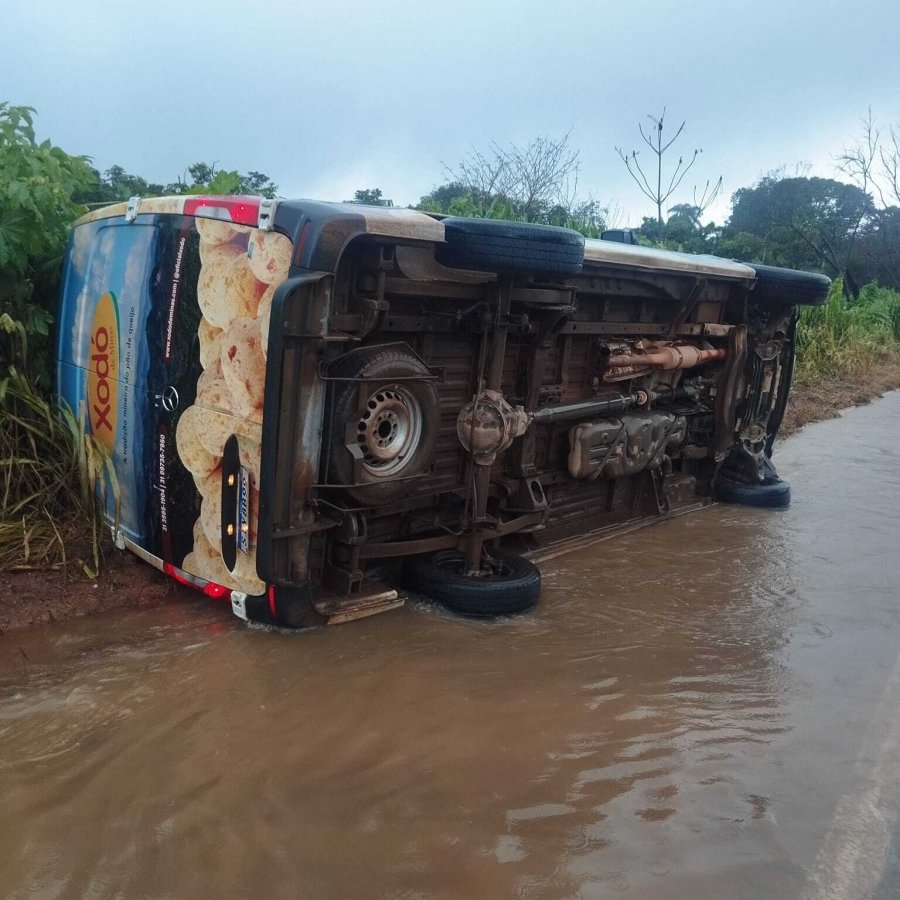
column 705, row 708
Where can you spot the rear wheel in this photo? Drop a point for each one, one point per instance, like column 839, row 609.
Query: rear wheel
column 509, row 583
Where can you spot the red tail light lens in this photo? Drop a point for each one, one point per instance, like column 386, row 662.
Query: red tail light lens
column 240, row 209
column 210, row 588
column 216, row 591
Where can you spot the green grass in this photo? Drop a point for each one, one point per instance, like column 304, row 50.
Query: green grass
column 50, row 471
column 848, row 338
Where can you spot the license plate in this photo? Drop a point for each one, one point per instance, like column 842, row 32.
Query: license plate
column 243, row 510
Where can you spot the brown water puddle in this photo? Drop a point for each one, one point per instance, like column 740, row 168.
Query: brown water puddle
column 691, row 712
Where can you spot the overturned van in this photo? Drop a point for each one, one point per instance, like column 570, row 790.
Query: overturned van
column 298, row 394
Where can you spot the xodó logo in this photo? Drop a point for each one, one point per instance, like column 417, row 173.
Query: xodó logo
column 103, row 371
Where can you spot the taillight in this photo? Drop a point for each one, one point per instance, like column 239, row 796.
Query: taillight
column 240, row 209
column 210, row 588
column 216, row 591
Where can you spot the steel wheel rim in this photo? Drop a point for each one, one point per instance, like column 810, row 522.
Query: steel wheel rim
column 389, row 430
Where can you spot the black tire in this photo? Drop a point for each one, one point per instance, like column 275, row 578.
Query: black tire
column 789, row 286
column 489, row 245
column 515, row 588
column 771, row 495
column 389, row 372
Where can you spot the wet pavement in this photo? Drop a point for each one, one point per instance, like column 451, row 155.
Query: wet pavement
column 705, row 708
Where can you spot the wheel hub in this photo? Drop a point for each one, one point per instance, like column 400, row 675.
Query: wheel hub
column 389, row 429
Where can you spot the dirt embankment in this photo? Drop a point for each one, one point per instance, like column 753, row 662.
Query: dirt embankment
column 41, row 597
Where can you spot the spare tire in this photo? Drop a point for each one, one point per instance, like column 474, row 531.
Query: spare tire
column 789, row 286
column 513, row 585
column 489, row 245
column 384, row 424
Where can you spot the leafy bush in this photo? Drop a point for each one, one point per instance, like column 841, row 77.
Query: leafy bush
column 36, row 209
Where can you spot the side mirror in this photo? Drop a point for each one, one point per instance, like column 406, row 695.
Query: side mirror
column 620, row 236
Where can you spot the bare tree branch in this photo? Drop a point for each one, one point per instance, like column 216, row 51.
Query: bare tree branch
column 658, row 193
column 890, row 161
column 630, row 160
column 858, row 160
column 529, row 178
column 706, row 199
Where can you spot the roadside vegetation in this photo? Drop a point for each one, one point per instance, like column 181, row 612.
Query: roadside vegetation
column 52, row 474
column 847, row 338
column 48, row 469
column 849, row 349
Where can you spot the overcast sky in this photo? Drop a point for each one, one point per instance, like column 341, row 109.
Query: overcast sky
column 329, row 97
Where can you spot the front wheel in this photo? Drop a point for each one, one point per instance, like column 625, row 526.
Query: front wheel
column 509, row 584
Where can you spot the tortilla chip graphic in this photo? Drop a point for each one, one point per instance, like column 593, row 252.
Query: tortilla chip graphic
column 210, row 342
column 244, row 367
column 217, row 231
column 206, row 561
column 213, row 428
column 213, row 392
column 245, row 575
column 235, row 294
column 264, row 314
column 227, row 289
column 196, row 458
column 219, row 254
column 270, row 256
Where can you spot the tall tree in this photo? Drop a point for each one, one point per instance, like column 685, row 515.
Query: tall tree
column 370, row 197
column 872, row 163
column 814, row 221
column 654, row 182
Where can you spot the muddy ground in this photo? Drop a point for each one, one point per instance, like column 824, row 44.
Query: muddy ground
column 41, row 597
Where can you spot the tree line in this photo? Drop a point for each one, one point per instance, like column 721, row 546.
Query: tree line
column 847, row 226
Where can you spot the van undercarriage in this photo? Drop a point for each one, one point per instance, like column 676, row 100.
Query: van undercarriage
column 465, row 411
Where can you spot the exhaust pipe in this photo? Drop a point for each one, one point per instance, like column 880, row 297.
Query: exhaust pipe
column 667, row 358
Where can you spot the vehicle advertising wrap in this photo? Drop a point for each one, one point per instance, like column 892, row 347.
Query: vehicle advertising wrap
column 162, row 352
